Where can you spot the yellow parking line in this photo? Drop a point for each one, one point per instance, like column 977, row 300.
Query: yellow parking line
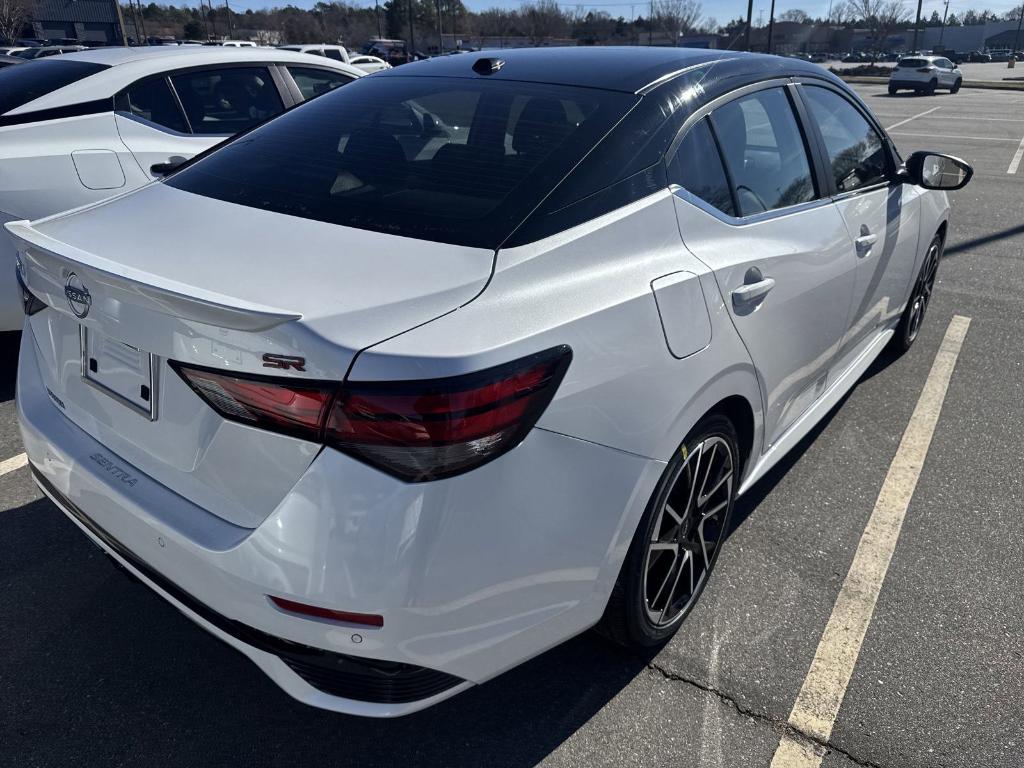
column 821, row 695
column 13, row 463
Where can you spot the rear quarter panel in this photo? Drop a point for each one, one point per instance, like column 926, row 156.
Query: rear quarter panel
column 590, row 287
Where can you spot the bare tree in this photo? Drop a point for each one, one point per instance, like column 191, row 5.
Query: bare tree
column 543, row 19
column 841, row 14
column 794, row 14
column 881, row 17
column 13, row 15
column 677, row 17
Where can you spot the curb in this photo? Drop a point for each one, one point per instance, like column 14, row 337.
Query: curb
column 991, row 85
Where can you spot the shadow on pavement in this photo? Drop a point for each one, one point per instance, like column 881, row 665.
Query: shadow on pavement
column 8, row 364
column 974, row 242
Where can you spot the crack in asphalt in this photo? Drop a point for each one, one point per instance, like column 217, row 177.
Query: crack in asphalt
column 781, row 726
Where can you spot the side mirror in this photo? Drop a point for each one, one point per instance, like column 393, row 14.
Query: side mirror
column 932, row 170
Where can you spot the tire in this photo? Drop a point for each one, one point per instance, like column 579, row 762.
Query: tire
column 932, row 85
column 920, row 299
column 640, row 613
column 956, row 86
column 892, row 90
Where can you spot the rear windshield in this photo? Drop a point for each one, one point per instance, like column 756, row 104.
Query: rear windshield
column 20, row 85
column 913, row 62
column 453, row 160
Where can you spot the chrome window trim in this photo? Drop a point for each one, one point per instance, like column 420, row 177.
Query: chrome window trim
column 707, row 109
column 157, row 126
column 735, row 221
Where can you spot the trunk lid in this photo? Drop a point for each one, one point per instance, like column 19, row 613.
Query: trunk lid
column 218, row 285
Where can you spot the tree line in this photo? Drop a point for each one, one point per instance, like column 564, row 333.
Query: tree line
column 535, row 20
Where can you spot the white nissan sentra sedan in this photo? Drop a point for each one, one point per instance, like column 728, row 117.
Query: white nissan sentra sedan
column 424, row 377
column 80, row 128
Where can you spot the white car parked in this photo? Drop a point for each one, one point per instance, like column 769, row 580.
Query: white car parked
column 369, row 63
column 414, row 382
column 336, row 52
column 925, row 74
column 78, row 128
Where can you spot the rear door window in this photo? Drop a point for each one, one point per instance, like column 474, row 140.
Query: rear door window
column 228, row 100
column 316, row 82
column 764, row 152
column 153, row 101
column 697, row 167
column 333, row 53
column 451, row 160
column 20, row 85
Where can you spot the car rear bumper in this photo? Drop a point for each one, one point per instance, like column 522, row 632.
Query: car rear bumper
column 911, row 83
column 374, row 688
column 472, row 575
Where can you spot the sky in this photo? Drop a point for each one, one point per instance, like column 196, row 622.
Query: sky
column 722, row 10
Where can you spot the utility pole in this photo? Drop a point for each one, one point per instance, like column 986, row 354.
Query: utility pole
column 440, row 29
column 942, row 29
column 650, row 26
column 120, row 22
column 1016, row 38
column 142, row 18
column 376, row 8
column 412, row 34
column 750, row 20
column 917, row 24
column 771, row 25
column 135, row 22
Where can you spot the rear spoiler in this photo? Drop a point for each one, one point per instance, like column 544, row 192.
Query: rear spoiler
column 48, row 262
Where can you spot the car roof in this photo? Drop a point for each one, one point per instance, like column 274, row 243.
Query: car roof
column 618, row 68
column 126, row 65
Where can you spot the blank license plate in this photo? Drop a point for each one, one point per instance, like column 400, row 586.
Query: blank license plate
column 124, row 372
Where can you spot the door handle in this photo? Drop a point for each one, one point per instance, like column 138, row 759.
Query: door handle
column 752, row 291
column 162, row 169
column 864, row 242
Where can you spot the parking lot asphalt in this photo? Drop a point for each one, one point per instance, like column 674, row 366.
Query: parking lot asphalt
column 98, row 671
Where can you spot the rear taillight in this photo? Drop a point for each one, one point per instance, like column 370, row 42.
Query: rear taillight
column 416, row 430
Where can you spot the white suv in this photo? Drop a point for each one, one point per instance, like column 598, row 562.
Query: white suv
column 925, row 74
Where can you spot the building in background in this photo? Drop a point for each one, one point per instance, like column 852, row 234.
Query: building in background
column 88, row 21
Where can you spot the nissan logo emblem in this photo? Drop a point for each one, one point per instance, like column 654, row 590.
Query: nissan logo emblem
column 79, row 298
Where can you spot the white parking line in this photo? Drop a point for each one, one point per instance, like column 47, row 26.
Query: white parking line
column 952, row 138
column 13, row 463
column 1015, row 162
column 904, row 122
column 817, row 704
column 986, row 119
